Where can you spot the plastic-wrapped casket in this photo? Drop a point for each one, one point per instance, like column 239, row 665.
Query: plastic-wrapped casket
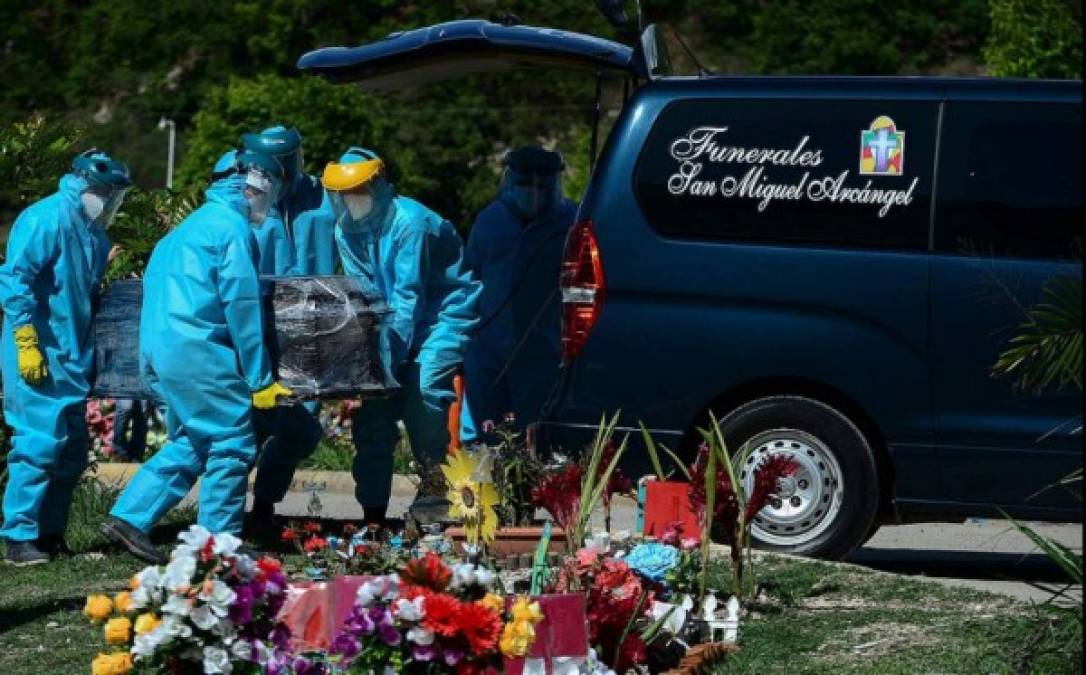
column 323, row 334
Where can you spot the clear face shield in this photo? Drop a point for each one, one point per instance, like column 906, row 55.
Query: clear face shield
column 352, row 208
column 261, row 191
column 531, row 194
column 101, row 203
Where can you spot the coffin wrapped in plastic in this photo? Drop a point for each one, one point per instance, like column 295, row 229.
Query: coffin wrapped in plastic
column 323, row 335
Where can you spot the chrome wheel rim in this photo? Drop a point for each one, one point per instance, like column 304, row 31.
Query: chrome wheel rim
column 808, row 501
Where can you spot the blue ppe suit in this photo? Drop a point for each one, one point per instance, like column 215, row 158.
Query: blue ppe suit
column 288, row 434
column 413, row 258
column 202, row 351
column 511, row 363
column 275, row 248
column 55, row 262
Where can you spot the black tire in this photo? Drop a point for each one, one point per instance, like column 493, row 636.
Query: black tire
column 828, row 517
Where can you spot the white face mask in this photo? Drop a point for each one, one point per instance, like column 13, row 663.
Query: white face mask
column 358, row 205
column 260, row 192
column 93, row 205
column 101, row 210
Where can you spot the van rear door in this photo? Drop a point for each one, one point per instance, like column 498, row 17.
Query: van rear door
column 459, row 48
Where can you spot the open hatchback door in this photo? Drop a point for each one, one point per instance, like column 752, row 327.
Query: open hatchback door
column 458, row 48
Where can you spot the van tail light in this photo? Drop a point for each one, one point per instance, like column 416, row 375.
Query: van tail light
column 582, row 288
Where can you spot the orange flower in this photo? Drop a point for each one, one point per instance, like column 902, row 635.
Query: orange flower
column 430, row 572
column 118, row 631
column 98, row 607
column 123, row 601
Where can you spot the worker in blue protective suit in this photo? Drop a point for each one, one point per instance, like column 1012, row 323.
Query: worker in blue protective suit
column 289, row 433
column 274, row 245
column 202, row 352
column 413, row 259
column 56, row 256
column 303, row 206
column 515, row 250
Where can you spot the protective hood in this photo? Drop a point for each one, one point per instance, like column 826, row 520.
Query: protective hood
column 231, row 192
column 71, row 187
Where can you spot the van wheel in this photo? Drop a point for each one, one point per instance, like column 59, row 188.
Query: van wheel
column 828, row 507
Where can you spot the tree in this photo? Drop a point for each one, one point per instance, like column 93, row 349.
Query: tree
column 1035, row 38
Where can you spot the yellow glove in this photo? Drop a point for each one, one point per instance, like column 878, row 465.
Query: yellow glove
column 31, row 361
column 268, row 396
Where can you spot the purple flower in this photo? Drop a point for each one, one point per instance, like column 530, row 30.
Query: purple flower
column 241, row 612
column 423, row 653
column 303, row 666
column 346, row 645
column 453, row 655
column 280, row 636
column 386, row 629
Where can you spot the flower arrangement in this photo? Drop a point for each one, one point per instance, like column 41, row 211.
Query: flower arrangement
column 433, row 618
column 212, row 609
column 368, row 550
column 100, row 416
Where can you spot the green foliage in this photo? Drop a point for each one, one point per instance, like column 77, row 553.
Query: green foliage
column 145, row 217
column 864, row 37
column 1048, row 352
column 34, row 153
column 1035, row 38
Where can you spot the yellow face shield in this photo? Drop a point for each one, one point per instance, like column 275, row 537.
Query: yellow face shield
column 340, row 177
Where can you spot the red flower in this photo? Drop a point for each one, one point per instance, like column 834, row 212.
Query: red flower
column 631, row 653
column 314, row 544
column 430, row 572
column 288, row 534
column 312, row 527
column 767, row 478
column 441, row 613
column 268, row 565
column 673, row 535
column 349, row 529
column 208, row 551
column 726, row 510
column 480, row 626
column 560, row 494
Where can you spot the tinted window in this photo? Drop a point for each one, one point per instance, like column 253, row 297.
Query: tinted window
column 851, row 173
column 1010, row 179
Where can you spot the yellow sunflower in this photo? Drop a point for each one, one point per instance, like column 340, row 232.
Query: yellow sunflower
column 472, row 496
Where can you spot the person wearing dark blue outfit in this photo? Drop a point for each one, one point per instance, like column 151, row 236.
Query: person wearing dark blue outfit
column 127, row 410
column 56, row 257
column 515, row 250
column 202, row 352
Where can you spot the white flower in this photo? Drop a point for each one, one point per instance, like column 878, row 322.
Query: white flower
column 177, row 605
column 245, row 566
column 203, row 618
column 220, row 598
column 183, row 551
column 484, row 577
column 420, row 636
column 148, row 643
column 384, row 588
column 149, row 589
column 179, row 573
column 463, row 575
column 225, row 544
column 176, row 627
column 410, row 610
column 242, row 650
column 195, row 536
column 216, row 661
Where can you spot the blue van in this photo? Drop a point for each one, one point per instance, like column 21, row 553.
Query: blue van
column 830, row 265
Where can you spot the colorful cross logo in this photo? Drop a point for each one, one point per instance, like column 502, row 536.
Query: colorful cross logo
column 882, row 149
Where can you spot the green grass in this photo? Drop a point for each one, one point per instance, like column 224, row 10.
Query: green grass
column 338, row 455
column 42, row 628
column 821, row 618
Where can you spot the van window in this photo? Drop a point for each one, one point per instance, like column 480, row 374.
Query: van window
column 1010, row 180
column 840, row 172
